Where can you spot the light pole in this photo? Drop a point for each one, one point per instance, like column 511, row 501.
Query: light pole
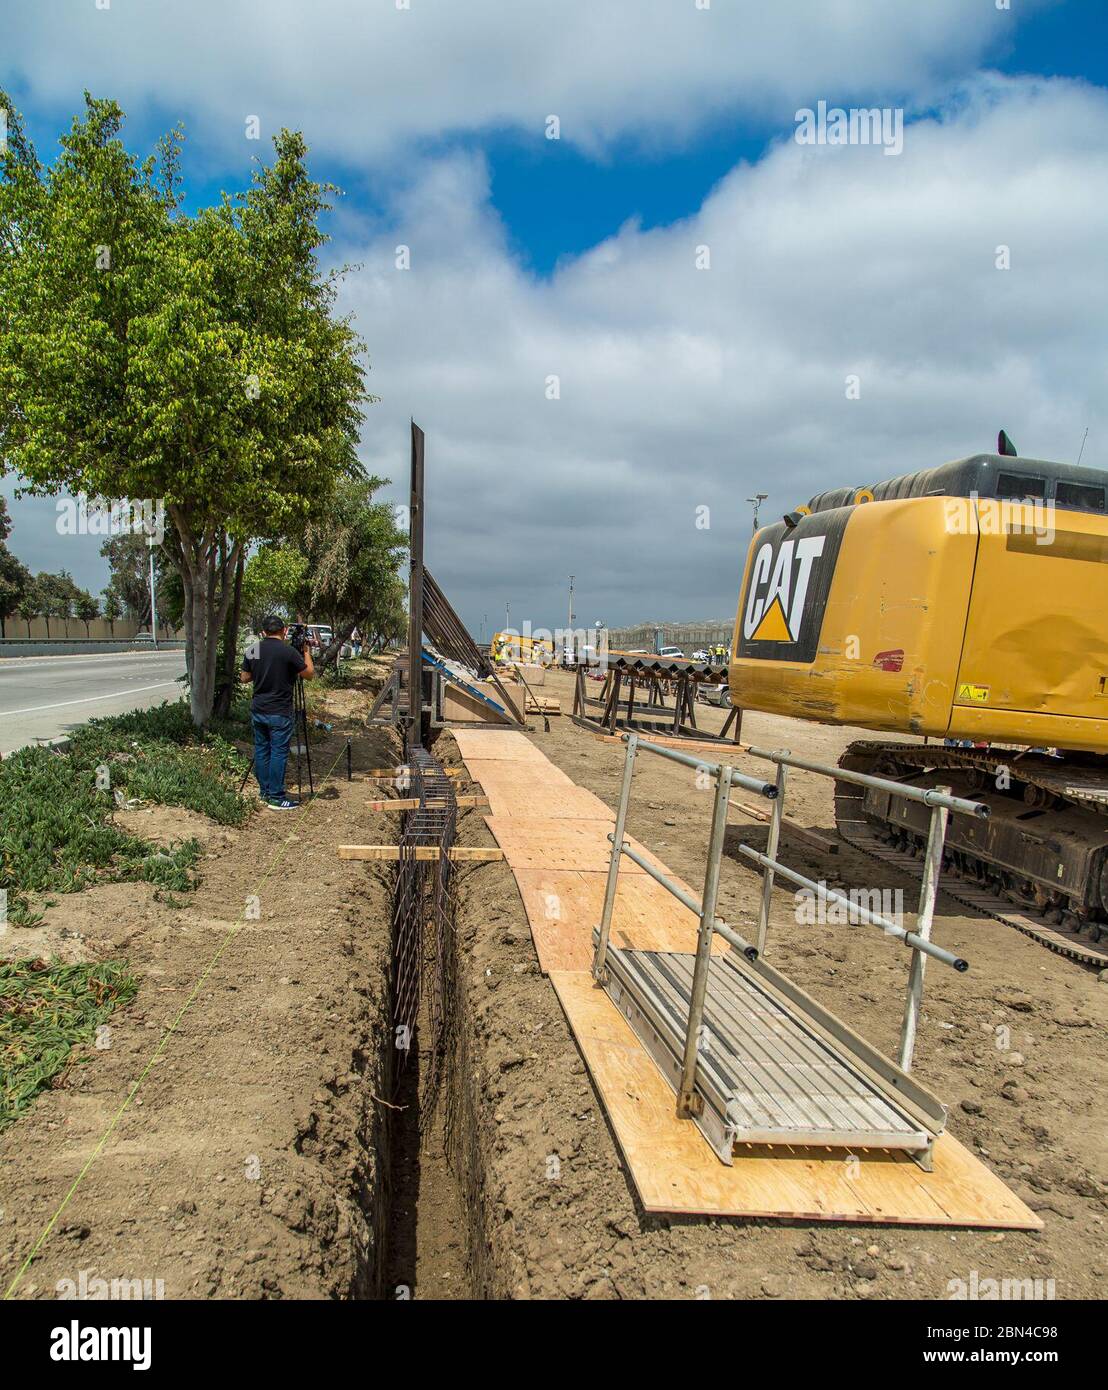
column 756, row 501
column 150, row 541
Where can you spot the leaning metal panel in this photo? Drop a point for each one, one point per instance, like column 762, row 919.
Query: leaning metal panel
column 766, row 1072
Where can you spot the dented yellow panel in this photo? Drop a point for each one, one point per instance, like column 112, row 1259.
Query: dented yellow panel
column 931, row 615
column 1037, row 635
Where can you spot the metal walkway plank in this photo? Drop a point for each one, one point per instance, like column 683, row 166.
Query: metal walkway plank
column 764, row 1075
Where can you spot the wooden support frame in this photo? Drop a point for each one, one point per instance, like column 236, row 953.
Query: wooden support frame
column 412, row 803
column 472, row 854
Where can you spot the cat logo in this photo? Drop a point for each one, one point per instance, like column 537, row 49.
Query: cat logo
column 778, row 589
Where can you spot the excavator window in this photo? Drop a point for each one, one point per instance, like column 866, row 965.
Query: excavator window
column 1079, row 496
column 1014, row 487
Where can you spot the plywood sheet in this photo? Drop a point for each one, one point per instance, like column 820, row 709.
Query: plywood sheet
column 564, row 905
column 674, row 1170
column 533, row 789
column 494, row 743
column 562, row 843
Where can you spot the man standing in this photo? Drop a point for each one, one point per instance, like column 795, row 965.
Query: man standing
column 273, row 666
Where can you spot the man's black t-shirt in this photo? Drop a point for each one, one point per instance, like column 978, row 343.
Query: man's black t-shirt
column 274, row 665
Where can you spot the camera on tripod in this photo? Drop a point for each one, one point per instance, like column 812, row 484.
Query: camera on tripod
column 298, row 636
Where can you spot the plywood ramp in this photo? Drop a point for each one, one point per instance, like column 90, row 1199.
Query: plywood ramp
column 554, row 837
column 492, row 743
column 674, row 1170
column 525, row 787
column 564, row 905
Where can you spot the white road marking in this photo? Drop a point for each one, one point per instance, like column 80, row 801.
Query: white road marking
column 91, row 699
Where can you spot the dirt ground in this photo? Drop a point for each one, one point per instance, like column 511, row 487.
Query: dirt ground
column 246, row 1164
column 269, row 1152
column 1034, row 1111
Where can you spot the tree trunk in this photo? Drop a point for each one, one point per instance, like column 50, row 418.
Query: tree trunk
column 229, row 674
column 330, row 654
column 207, row 561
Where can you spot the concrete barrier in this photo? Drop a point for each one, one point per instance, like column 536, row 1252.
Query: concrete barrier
column 36, row 646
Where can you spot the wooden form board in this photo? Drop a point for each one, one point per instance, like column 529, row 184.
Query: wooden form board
column 674, row 1169
column 477, row 854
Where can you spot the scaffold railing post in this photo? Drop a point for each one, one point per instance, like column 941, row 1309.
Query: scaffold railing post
column 688, row 1103
column 599, row 967
column 771, row 852
column 932, row 864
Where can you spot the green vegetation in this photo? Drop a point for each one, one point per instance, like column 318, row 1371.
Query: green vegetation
column 341, row 566
column 57, row 811
column 45, row 1011
column 197, row 360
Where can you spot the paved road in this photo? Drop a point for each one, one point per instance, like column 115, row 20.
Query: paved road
column 43, row 697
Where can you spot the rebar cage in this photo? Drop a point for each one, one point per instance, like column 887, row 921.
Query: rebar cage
column 423, row 921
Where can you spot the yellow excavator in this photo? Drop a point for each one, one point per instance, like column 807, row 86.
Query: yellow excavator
column 967, row 604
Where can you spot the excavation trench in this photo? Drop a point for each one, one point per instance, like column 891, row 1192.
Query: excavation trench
column 429, row 1215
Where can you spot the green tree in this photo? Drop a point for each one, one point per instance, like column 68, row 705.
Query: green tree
column 341, row 568
column 354, row 549
column 112, row 607
column 275, row 581
column 128, row 558
column 15, row 577
column 86, row 608
column 196, row 360
column 55, row 594
column 30, row 604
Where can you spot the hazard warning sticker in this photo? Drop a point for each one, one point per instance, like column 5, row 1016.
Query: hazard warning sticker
column 974, row 694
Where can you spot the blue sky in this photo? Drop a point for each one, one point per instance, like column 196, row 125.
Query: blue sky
column 535, row 258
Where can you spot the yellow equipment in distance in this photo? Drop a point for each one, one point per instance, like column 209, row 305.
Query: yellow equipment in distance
column 512, row 646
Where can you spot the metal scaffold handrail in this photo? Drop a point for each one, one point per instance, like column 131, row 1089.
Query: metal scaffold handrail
column 725, row 776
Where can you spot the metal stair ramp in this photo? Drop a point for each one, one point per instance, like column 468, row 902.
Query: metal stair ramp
column 773, row 1066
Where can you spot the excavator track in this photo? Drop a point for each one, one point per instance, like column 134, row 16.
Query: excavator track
column 859, row 831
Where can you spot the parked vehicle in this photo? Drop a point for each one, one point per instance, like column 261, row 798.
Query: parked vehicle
column 675, row 652
column 717, row 695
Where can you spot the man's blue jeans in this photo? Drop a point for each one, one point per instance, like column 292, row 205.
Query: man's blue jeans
column 272, row 735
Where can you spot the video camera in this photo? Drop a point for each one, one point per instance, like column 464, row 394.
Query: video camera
column 298, row 636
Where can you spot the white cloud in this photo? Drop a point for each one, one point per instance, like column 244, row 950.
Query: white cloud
column 681, row 387
column 363, row 78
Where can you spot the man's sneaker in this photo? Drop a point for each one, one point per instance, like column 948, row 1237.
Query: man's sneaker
column 283, row 803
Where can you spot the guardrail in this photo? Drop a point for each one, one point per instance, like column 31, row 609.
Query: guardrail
column 725, row 776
